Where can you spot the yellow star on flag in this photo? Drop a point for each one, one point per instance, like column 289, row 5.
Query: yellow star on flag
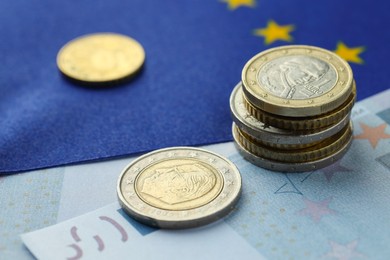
column 349, row 54
column 274, row 32
column 234, row 4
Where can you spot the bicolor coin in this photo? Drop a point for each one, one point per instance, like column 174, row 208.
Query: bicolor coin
column 297, row 81
column 179, row 187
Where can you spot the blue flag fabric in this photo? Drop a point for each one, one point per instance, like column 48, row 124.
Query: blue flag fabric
column 195, row 51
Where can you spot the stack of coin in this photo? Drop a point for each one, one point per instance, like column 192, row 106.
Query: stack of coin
column 292, row 110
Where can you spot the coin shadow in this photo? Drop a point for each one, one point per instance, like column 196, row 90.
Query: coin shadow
column 101, row 86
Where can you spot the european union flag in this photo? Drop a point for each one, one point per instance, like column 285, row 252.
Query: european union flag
column 195, row 51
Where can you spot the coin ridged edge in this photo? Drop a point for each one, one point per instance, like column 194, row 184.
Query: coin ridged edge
column 316, row 152
column 290, row 167
column 299, row 107
column 259, row 130
column 295, row 123
column 280, row 146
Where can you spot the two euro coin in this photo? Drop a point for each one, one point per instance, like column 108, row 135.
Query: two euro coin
column 179, row 187
column 291, row 111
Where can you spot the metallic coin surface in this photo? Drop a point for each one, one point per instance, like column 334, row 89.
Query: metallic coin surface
column 101, row 58
column 315, row 152
column 179, row 187
column 304, row 123
column 274, row 165
column 297, row 81
column 289, row 76
column 279, row 137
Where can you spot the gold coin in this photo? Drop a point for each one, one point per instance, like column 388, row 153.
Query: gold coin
column 303, row 123
column 101, row 58
column 297, row 81
column 179, row 187
column 318, row 151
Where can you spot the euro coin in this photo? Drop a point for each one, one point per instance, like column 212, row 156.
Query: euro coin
column 312, row 153
column 101, row 58
column 279, row 166
column 273, row 135
column 297, row 81
column 179, row 187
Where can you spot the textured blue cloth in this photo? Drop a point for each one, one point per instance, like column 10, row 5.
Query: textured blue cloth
column 195, row 51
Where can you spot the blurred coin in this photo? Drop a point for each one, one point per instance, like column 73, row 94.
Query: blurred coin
column 101, row 58
column 278, row 137
column 297, row 81
column 179, row 187
column 274, row 165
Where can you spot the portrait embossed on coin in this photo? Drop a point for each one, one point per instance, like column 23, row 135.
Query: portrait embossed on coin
column 297, row 81
column 179, row 187
column 178, row 184
column 297, row 77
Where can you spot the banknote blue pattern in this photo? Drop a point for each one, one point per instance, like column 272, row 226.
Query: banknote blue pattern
column 28, row 201
column 339, row 212
column 312, row 215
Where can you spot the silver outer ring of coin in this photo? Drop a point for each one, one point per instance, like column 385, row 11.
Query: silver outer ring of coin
column 251, row 125
column 178, row 219
column 290, row 167
column 304, row 107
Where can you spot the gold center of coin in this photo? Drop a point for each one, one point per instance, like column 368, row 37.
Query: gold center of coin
column 179, row 184
column 103, row 60
column 297, row 77
column 100, row 58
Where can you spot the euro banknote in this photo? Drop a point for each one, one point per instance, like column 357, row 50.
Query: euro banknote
column 339, row 212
